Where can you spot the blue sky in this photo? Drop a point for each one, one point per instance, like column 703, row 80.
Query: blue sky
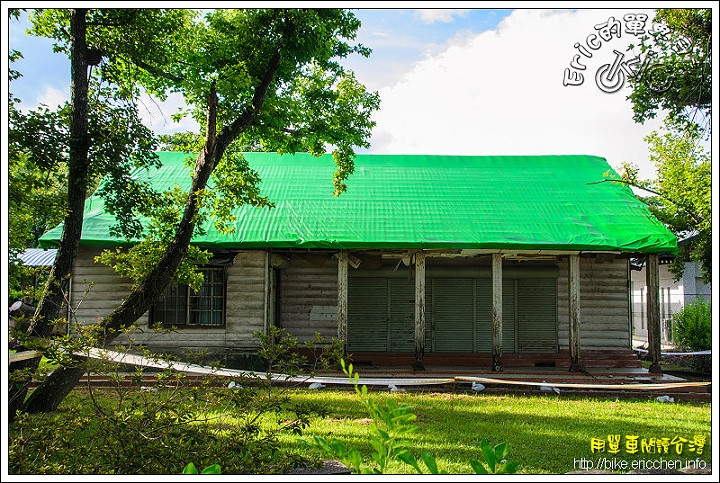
column 452, row 81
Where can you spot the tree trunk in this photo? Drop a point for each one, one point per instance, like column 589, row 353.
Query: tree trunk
column 58, row 385
column 57, row 285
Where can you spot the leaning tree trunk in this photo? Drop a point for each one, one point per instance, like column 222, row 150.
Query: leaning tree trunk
column 56, row 288
column 58, row 385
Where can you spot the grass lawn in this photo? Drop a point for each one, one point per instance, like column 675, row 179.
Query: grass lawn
column 546, row 434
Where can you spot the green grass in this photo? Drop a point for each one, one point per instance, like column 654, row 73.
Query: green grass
column 547, row 434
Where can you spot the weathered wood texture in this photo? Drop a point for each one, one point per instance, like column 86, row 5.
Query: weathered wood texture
column 420, row 304
column 497, row 312
column 574, row 313
column 97, row 290
column 309, row 298
column 307, row 302
column 246, row 308
column 653, row 312
column 604, row 305
column 342, row 305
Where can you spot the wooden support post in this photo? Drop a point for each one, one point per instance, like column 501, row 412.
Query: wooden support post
column 652, row 276
column 497, row 312
column 574, row 311
column 343, row 299
column 270, row 295
column 419, row 311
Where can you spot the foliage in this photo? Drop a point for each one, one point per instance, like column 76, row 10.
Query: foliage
column 117, row 139
column 183, row 142
column 391, row 424
column 279, row 350
column 495, row 460
column 692, row 330
column 681, row 196
column 676, row 79
column 36, row 194
column 190, row 469
column 312, row 102
column 685, row 205
column 99, row 134
column 266, row 78
column 692, row 325
column 135, row 262
column 156, row 420
column 677, row 76
column 546, row 434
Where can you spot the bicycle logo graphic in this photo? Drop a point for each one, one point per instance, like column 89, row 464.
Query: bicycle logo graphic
column 611, row 77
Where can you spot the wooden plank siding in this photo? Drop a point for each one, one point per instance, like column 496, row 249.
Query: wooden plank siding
column 307, row 302
column 308, row 295
column 604, row 304
column 97, row 290
column 246, row 302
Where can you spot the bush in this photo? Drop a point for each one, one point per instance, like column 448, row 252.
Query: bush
column 156, row 423
column 693, row 332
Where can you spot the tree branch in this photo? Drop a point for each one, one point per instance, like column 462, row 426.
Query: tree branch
column 233, row 130
column 155, row 71
column 211, row 128
column 694, row 216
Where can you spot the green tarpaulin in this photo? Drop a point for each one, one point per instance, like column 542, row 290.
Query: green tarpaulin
column 423, row 201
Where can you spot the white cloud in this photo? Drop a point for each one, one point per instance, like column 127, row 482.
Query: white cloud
column 157, row 115
column 50, row 96
column 501, row 92
column 444, row 15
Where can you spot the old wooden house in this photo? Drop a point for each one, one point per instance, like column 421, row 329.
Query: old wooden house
column 425, row 260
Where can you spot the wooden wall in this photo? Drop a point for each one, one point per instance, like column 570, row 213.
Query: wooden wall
column 247, row 303
column 308, row 297
column 604, row 304
column 307, row 302
column 97, row 290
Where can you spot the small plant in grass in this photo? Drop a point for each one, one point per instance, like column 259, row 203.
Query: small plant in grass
column 279, row 350
column 190, row 469
column 391, row 423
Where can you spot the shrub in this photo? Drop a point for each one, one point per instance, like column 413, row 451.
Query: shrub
column 693, row 331
column 156, row 422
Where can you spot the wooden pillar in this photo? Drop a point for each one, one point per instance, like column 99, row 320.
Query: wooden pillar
column 497, row 312
column 574, row 311
column 419, row 311
column 342, row 299
column 270, row 294
column 652, row 276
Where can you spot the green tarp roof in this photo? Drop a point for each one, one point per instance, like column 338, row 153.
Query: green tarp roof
column 424, row 201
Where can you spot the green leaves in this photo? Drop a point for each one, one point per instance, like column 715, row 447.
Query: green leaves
column 693, row 325
column 676, row 78
column 190, row 469
column 684, row 186
column 391, row 424
column 495, row 460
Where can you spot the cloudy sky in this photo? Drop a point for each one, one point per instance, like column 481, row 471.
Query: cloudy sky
column 460, row 81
